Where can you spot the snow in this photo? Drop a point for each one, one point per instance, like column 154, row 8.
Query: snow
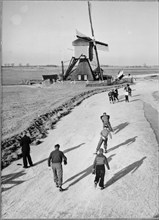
column 131, row 183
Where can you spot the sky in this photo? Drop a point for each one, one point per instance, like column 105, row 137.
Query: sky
column 41, row 32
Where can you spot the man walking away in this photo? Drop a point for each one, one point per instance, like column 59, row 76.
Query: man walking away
column 103, row 139
column 55, row 160
column 25, row 144
column 129, row 91
column 99, row 169
column 110, row 97
column 106, row 121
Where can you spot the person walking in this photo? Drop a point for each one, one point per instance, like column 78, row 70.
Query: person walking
column 126, row 96
column 129, row 91
column 110, row 97
column 25, row 144
column 55, row 161
column 106, row 121
column 116, row 94
column 99, row 169
column 103, row 139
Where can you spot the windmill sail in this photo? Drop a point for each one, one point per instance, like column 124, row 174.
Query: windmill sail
column 82, row 36
column 95, row 48
column 102, row 46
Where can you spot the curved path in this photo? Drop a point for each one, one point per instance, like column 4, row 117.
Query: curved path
column 131, row 186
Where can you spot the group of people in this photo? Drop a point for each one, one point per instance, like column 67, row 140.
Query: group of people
column 113, row 95
column 100, row 159
column 57, row 157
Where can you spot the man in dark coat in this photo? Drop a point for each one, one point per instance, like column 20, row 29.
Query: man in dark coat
column 25, row 144
column 55, row 161
column 116, row 94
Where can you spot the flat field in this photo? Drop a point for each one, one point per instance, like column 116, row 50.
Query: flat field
column 21, row 104
column 15, row 75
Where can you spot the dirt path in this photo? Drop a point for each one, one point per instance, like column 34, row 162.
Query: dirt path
column 131, row 184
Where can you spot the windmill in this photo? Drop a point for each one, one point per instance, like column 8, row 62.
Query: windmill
column 88, row 46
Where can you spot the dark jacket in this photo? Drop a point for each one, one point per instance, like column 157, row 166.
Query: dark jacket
column 57, row 156
column 25, row 144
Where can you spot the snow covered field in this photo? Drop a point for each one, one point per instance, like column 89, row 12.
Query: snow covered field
column 131, row 185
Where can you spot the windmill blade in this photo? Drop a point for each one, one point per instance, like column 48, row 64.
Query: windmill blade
column 102, row 46
column 82, row 36
column 90, row 18
column 94, row 42
column 91, row 45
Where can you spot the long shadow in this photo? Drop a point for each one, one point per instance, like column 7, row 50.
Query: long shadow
column 120, row 127
column 65, row 151
column 128, row 141
column 85, row 173
column 134, row 100
column 10, row 179
column 73, row 148
column 135, row 95
column 131, row 168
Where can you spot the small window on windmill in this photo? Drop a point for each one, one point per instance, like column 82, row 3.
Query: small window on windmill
column 85, row 77
column 79, row 77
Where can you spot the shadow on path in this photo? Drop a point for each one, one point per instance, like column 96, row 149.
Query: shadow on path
column 128, row 141
column 10, row 179
column 85, row 173
column 130, row 99
column 73, row 148
column 134, row 100
column 131, row 168
column 65, row 151
column 120, row 127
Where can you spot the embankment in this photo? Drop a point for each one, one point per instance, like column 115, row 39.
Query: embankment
column 38, row 129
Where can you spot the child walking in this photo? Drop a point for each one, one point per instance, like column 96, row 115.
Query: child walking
column 99, row 169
